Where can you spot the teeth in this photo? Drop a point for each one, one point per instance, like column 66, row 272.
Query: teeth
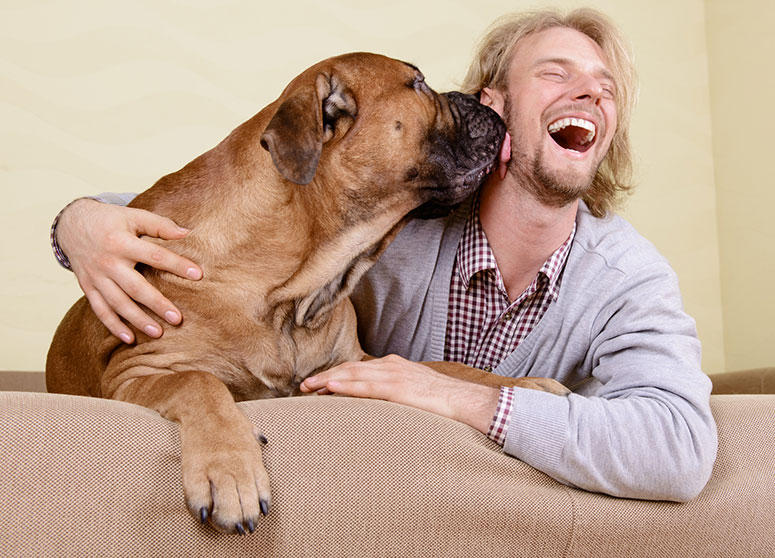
column 577, row 122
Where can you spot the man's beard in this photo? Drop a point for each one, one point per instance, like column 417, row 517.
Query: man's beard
column 551, row 187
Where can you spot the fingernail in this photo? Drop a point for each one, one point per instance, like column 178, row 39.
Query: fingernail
column 153, row 331
column 183, row 229
column 193, row 273
column 125, row 337
column 172, row 316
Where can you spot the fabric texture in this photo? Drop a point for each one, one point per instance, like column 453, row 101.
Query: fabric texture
column 350, row 477
column 638, row 423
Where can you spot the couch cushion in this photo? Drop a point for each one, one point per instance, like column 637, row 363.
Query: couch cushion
column 355, row 478
column 756, row 380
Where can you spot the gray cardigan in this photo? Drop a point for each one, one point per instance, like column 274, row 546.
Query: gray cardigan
column 638, row 424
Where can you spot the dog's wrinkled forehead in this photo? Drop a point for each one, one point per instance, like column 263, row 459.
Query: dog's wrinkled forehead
column 371, row 73
column 322, row 105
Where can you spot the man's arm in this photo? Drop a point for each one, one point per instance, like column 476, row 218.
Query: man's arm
column 102, row 243
column 641, row 427
column 393, row 378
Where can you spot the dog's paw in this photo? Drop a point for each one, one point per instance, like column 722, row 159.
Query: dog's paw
column 224, row 479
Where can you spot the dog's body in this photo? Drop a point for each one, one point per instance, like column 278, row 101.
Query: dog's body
column 286, row 214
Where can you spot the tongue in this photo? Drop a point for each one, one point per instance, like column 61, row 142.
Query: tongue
column 505, row 156
column 573, row 138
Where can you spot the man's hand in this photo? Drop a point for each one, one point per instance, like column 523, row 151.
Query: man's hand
column 396, row 379
column 102, row 242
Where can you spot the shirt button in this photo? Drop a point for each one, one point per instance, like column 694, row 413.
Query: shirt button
column 487, row 368
column 507, row 316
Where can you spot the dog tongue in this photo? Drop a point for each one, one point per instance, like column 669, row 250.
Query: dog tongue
column 505, row 156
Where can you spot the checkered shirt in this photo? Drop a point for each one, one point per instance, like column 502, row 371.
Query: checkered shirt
column 483, row 326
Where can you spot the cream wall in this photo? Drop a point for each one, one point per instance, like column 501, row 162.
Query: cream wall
column 742, row 80
column 99, row 97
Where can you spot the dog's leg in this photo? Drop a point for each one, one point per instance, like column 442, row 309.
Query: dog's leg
column 470, row 374
column 223, row 473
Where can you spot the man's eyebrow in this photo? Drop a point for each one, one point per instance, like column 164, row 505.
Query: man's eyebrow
column 603, row 71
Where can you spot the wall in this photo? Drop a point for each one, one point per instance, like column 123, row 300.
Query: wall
column 96, row 98
column 742, row 81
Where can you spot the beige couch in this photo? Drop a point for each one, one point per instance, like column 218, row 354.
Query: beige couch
column 88, row 477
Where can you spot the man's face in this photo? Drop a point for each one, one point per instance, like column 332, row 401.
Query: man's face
column 560, row 111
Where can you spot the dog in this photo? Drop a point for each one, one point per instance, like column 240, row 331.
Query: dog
column 286, row 214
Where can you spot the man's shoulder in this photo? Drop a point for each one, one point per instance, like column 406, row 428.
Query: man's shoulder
column 427, row 240
column 614, row 242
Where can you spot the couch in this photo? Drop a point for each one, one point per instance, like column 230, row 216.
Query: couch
column 89, row 477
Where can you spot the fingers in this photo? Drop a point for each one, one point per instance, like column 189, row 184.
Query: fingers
column 123, row 287
column 357, row 388
column 166, row 260
column 116, row 290
column 147, row 223
column 101, row 241
column 395, row 379
column 319, row 382
column 108, row 317
column 110, row 303
column 151, row 224
column 385, row 378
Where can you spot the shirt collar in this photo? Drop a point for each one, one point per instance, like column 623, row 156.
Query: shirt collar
column 554, row 266
column 474, row 254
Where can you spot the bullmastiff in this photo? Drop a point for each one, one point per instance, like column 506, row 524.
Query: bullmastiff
column 286, row 215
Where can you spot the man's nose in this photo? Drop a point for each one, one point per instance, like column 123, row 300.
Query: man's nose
column 587, row 88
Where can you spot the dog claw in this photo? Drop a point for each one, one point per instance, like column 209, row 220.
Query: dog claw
column 264, row 507
column 240, row 528
column 262, row 439
column 251, row 525
column 203, row 515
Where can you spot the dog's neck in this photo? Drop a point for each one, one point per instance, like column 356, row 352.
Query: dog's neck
column 294, row 243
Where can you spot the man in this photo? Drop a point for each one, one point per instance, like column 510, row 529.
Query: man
column 532, row 276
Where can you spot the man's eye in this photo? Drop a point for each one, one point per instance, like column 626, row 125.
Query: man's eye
column 555, row 75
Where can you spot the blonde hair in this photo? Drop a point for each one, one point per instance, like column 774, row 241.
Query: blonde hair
column 491, row 65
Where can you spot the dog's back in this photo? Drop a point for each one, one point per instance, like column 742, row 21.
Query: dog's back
column 75, row 363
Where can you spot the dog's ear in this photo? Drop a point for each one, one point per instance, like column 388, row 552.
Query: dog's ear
column 303, row 123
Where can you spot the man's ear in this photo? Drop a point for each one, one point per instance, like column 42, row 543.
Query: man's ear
column 492, row 98
column 303, row 123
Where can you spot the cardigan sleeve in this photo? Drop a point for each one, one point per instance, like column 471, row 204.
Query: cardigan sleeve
column 641, row 427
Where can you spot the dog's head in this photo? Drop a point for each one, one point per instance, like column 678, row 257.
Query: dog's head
column 394, row 142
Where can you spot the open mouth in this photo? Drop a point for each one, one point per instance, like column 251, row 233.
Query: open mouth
column 573, row 134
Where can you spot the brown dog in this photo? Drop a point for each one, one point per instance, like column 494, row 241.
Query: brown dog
column 286, row 214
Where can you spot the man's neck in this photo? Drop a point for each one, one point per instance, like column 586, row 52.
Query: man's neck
column 522, row 231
